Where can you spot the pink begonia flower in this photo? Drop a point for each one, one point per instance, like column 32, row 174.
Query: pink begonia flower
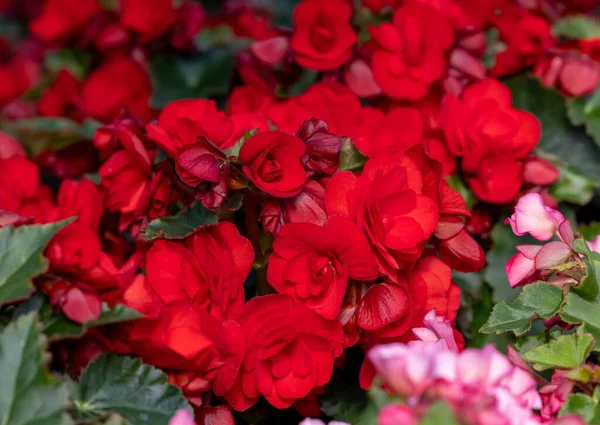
column 521, row 267
column 481, row 385
column 551, row 255
column 182, row 417
column 309, row 421
column 554, row 395
column 397, row 414
column 534, row 217
column 595, row 244
column 569, row 420
column 436, row 328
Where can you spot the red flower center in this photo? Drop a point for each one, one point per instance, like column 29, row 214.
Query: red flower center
column 269, row 170
column 322, row 37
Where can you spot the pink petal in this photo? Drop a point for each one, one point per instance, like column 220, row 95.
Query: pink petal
column 519, row 268
column 552, row 254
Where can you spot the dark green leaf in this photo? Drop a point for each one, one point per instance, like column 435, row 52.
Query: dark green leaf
column 590, row 230
column 529, row 342
column 491, row 38
column 351, row 158
column 217, row 36
column 576, row 110
column 568, row 144
column 343, row 402
column 566, row 352
column 573, row 187
column 307, row 78
column 76, row 61
column 188, row 221
column 577, row 27
column 50, row 133
column 459, row 185
column 28, row 394
column 58, row 326
column 536, row 300
column 136, row 391
column 176, row 78
column 378, row 399
column 21, row 257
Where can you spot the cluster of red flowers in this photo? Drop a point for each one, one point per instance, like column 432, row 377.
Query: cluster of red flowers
column 336, row 198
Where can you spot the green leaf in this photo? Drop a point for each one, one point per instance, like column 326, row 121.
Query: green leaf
column 235, row 149
column 581, row 405
column 58, row 326
column 177, row 78
column 577, row 27
column 306, row 79
column 566, row 143
column 503, row 248
column 112, row 420
column 186, row 222
column 21, row 257
column 584, row 373
column 573, row 187
column 343, row 402
column 214, row 37
column 439, row 413
column 351, row 158
column 566, row 352
column 28, row 394
column 76, row 61
column 576, row 110
column 459, row 185
column 590, row 230
column 536, row 300
column 50, row 133
column 529, row 342
column 492, row 36
column 578, row 310
column 136, row 391
column 588, row 288
column 378, row 399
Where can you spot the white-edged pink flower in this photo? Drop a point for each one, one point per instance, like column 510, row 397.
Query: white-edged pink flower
column 397, row 414
column 436, row 328
column 520, row 268
column 595, row 244
column 182, row 417
column 310, row 421
column 534, row 217
column 408, row 370
column 554, row 395
column 481, row 385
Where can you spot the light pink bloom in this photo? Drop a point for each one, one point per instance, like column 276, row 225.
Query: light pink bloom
column 481, row 385
column 554, row 395
column 436, row 328
column 569, row 420
column 397, row 414
column 521, row 267
column 551, row 255
column 309, row 421
column 534, row 217
column 595, row 244
column 408, row 370
column 182, row 417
